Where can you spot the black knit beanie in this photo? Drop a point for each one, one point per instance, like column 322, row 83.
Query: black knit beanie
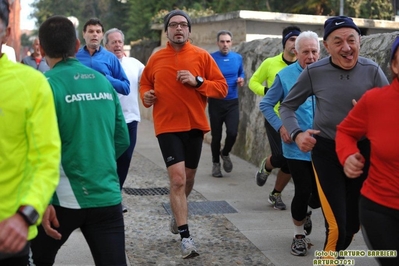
column 335, row 23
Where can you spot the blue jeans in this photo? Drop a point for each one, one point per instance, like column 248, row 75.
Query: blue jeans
column 123, row 162
column 103, row 229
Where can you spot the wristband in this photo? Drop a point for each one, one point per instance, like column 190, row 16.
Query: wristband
column 295, row 134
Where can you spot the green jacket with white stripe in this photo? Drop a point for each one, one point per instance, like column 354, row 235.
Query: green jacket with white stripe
column 93, row 135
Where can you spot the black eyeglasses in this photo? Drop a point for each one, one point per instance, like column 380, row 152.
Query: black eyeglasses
column 181, row 24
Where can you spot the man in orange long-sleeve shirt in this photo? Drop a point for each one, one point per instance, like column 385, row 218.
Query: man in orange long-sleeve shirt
column 176, row 82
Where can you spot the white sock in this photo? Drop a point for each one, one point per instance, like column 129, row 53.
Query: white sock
column 299, row 230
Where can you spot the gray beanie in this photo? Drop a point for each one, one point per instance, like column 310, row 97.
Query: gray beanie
column 176, row 12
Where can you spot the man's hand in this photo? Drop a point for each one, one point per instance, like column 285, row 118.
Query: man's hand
column 240, row 81
column 185, row 77
column 149, row 97
column 13, row 234
column 284, row 135
column 353, row 165
column 305, row 140
column 50, row 222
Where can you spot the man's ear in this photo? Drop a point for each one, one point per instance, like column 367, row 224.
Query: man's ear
column 395, row 65
column 326, row 46
column 8, row 31
column 7, row 35
column 42, row 51
column 77, row 45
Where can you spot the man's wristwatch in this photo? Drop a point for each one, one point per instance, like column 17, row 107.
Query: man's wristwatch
column 29, row 214
column 199, row 80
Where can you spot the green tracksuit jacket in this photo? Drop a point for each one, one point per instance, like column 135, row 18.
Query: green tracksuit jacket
column 93, row 135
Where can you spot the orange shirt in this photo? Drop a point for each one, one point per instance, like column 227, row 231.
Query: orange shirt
column 181, row 107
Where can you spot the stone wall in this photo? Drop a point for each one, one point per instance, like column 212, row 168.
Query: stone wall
column 252, row 144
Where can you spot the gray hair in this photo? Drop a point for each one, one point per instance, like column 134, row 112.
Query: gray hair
column 108, row 32
column 223, row 32
column 34, row 39
column 307, row 35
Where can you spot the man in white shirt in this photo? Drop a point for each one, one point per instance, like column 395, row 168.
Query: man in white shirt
column 113, row 42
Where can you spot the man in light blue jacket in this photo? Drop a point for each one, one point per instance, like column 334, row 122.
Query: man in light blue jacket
column 307, row 49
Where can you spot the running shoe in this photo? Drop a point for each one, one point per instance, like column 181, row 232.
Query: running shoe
column 188, row 248
column 299, row 246
column 227, row 164
column 262, row 175
column 216, row 172
column 276, row 201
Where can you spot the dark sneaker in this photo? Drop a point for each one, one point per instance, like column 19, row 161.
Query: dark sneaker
column 276, row 201
column 308, row 223
column 227, row 164
column 173, row 226
column 299, row 246
column 188, row 249
column 216, row 172
column 262, row 175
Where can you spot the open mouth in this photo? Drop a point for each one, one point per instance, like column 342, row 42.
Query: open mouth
column 348, row 56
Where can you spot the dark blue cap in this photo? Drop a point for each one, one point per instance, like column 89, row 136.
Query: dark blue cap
column 335, row 23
